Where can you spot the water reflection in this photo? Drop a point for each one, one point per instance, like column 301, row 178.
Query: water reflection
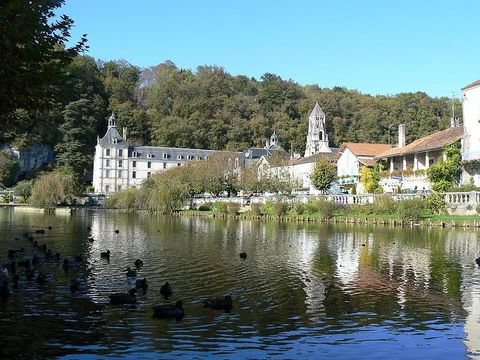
column 343, row 291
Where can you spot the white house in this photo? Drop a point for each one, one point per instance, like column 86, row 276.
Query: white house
column 352, row 156
column 407, row 164
column 118, row 165
column 471, row 136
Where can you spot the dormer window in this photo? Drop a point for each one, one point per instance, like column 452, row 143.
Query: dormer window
column 114, row 140
column 165, row 155
column 149, row 156
column 190, row 157
column 135, row 154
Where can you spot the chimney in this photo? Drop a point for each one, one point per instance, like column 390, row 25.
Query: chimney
column 401, row 135
column 124, row 134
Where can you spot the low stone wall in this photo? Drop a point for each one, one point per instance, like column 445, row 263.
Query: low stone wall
column 457, row 203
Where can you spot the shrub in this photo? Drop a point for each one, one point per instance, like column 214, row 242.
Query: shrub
column 280, row 208
column 299, row 208
column 222, row 207
column 412, row 209
column 233, row 208
column 267, row 208
column 51, row 189
column 436, row 203
column 205, row 207
column 311, row 206
column 256, row 209
column 384, row 205
column 326, row 208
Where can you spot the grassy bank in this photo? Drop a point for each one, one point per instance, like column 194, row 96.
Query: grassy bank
column 343, row 218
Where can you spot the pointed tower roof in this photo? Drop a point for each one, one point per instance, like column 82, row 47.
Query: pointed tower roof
column 317, row 110
column 112, row 136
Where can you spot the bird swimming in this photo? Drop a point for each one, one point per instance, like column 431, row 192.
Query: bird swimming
column 120, row 298
column 131, row 272
column 169, row 311
column 219, row 304
column 243, row 255
column 142, row 284
column 166, row 290
column 138, row 263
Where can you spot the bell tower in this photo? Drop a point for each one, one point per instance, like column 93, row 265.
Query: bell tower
column 317, row 137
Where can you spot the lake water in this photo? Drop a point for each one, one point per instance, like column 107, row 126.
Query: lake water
column 304, row 291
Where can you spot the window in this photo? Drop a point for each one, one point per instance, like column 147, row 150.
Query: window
column 120, row 152
column 148, row 174
column 114, row 140
column 199, row 158
column 134, row 163
column 120, row 163
column 179, row 157
column 165, row 155
column 134, row 174
column 107, row 162
column 119, row 174
column 107, row 188
column 107, row 173
column 119, row 187
column 190, row 157
column 149, row 165
column 164, row 165
column 107, row 152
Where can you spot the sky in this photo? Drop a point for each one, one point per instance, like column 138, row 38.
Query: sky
column 373, row 46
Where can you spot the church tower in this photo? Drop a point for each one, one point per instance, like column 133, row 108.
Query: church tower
column 317, row 138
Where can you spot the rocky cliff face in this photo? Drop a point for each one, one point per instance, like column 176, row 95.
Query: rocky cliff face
column 31, row 158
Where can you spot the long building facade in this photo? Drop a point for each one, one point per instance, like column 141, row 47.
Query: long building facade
column 118, row 165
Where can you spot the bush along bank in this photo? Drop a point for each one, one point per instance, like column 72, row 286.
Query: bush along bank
column 383, row 211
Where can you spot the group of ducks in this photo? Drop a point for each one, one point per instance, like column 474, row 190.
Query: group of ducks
column 166, row 311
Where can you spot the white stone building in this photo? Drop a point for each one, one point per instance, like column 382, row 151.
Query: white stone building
column 471, row 136
column 351, row 157
column 118, row 165
column 317, row 138
column 406, row 165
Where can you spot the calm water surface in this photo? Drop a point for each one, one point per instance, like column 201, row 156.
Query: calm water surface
column 305, row 291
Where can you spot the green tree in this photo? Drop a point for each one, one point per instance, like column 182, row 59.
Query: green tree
column 72, row 151
column 324, row 173
column 33, row 44
column 444, row 175
column 370, row 178
column 23, row 189
column 51, row 189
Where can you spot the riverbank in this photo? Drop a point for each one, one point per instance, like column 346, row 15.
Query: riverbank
column 472, row 221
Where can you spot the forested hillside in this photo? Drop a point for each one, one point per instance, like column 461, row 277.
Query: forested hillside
column 209, row 108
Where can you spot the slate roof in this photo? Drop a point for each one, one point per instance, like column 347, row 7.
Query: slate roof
column 110, row 136
column 317, row 111
column 315, row 157
column 364, row 149
column 435, row 141
column 257, row 153
column 156, row 153
column 471, row 85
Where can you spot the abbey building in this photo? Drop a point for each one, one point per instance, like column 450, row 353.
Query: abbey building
column 118, row 165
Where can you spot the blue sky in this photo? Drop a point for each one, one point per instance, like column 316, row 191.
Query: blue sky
column 374, row 46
